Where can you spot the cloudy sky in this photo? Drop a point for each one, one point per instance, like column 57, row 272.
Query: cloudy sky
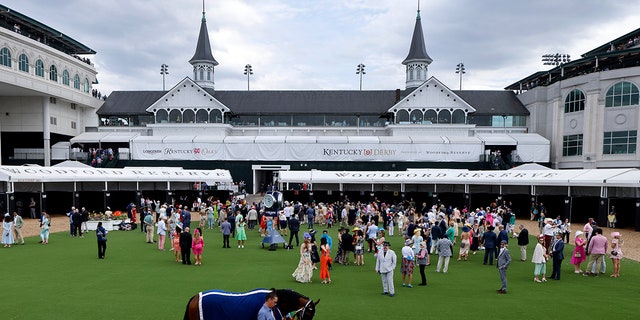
column 317, row 44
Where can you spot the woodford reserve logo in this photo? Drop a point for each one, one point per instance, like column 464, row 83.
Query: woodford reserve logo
column 358, row 152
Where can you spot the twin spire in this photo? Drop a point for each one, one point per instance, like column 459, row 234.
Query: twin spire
column 203, row 61
column 416, row 62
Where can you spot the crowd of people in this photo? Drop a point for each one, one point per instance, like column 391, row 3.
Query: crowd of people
column 363, row 228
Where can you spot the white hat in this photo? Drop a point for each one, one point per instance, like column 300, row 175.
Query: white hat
column 579, row 233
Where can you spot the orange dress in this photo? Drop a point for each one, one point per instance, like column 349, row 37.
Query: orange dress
column 325, row 259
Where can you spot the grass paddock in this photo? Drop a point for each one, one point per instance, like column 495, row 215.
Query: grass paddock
column 66, row 280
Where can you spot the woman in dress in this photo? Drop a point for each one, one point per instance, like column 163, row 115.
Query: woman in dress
column 540, row 260
column 44, row 229
column 197, row 245
column 408, row 261
column 477, row 235
column 7, row 233
column 401, row 223
column 616, row 253
column 465, row 243
column 358, row 241
column 579, row 255
column 304, row 271
column 241, row 236
column 325, row 260
column 175, row 242
column 379, row 241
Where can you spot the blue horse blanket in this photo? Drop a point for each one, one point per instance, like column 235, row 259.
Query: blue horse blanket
column 222, row 305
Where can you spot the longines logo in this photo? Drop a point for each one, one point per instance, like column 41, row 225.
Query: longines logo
column 151, row 151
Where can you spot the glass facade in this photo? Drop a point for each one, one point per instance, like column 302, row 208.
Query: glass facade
column 620, row 142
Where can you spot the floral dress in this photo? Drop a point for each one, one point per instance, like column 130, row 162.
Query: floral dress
column 359, row 248
column 304, row 271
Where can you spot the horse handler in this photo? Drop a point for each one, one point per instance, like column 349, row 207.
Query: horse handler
column 385, row 264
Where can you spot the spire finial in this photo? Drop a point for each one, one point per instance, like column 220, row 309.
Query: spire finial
column 203, row 19
column 418, row 9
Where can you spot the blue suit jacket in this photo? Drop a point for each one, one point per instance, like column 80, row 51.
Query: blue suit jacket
column 557, row 250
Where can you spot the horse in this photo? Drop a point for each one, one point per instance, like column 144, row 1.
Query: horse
column 221, row 305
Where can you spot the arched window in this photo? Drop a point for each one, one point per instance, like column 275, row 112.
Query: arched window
column 416, row 116
column 431, row 116
column 209, row 75
column 202, row 116
column 201, row 74
column 215, row 116
column 458, row 117
column 5, row 57
column 410, row 73
column 175, row 116
column 65, row 77
column 402, row 117
column 574, row 101
column 162, row 116
column 188, row 116
column 53, row 73
column 23, row 63
column 86, row 85
column 418, row 73
column 40, row 68
column 444, row 117
column 76, row 82
column 622, row 94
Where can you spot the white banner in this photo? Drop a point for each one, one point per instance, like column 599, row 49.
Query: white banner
column 443, row 152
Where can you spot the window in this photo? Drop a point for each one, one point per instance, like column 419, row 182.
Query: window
column 85, row 86
column 65, row 77
column 53, row 121
column 39, row 68
column 574, row 101
column 76, row 82
column 622, row 94
column 53, row 73
column 5, row 57
column 572, row 145
column 73, row 125
column 620, row 142
column 410, row 74
column 23, row 63
column 73, row 106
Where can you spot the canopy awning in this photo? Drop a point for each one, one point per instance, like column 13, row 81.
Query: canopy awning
column 90, row 174
column 104, row 137
column 497, row 139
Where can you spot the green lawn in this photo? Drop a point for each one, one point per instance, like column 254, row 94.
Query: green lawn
column 65, row 280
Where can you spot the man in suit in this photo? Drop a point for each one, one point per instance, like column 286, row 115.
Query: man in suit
column 185, row 245
column 523, row 242
column 489, row 239
column 557, row 254
column 504, row 259
column 385, row 264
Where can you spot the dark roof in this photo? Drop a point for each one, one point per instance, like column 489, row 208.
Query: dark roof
column 312, row 102
column 266, row 102
column 129, row 102
column 493, row 102
column 290, row 102
column 417, row 51
column 203, row 49
column 35, row 29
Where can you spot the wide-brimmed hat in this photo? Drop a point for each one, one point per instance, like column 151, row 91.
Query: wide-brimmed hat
column 615, row 234
column 407, row 242
column 465, row 229
column 541, row 237
column 356, row 229
column 386, row 244
column 579, row 233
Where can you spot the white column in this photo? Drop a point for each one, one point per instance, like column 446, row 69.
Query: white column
column 46, row 131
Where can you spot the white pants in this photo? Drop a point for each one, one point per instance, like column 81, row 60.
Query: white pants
column 523, row 252
column 387, row 282
column 446, row 264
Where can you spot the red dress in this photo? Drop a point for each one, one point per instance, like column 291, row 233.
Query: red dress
column 325, row 259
